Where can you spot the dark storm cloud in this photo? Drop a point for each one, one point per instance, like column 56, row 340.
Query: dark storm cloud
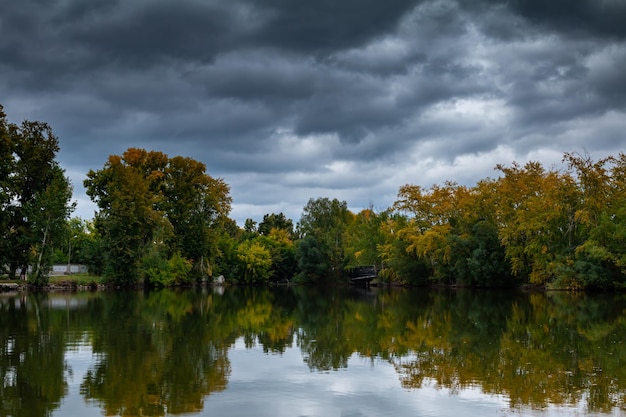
column 603, row 18
column 346, row 99
column 325, row 26
column 578, row 18
column 75, row 36
column 78, row 36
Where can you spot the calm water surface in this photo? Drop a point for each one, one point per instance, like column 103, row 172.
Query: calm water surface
column 302, row 352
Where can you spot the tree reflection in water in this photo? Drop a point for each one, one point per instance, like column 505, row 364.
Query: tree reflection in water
column 166, row 352
column 32, row 372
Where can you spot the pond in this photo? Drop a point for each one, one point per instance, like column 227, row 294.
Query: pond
column 295, row 351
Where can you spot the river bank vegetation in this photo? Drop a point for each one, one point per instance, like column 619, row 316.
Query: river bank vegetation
column 164, row 221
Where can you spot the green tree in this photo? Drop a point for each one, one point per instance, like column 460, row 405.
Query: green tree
column 599, row 224
column 276, row 221
column 160, row 272
column 477, row 258
column 128, row 218
column 34, row 197
column 255, row 261
column 364, row 237
column 399, row 263
column 91, row 248
column 283, row 253
column 227, row 264
column 73, row 243
column 249, row 230
column 312, row 262
column 324, row 223
column 48, row 213
column 196, row 205
column 250, row 227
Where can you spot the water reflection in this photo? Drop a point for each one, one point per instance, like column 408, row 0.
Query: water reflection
column 168, row 352
column 32, row 371
column 154, row 354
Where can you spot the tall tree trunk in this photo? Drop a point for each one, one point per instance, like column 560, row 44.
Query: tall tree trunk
column 43, row 245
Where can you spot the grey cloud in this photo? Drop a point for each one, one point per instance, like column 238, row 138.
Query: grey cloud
column 324, row 26
column 564, row 85
column 263, row 75
column 356, row 106
column 599, row 18
column 138, row 33
column 271, row 93
column 510, row 19
column 130, row 33
column 607, row 76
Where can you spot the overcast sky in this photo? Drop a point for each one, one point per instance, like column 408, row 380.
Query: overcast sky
column 288, row 100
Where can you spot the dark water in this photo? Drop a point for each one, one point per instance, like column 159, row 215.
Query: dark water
column 301, row 352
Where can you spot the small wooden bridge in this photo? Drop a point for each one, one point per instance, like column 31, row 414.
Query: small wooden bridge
column 362, row 275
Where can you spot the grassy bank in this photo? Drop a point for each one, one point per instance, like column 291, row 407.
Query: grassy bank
column 75, row 279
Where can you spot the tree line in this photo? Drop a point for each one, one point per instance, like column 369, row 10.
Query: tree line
column 165, row 221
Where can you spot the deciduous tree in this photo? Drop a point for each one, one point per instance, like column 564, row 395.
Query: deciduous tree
column 276, row 221
column 196, row 206
column 322, row 228
column 34, row 197
column 363, row 238
column 256, row 262
column 147, row 199
column 535, row 209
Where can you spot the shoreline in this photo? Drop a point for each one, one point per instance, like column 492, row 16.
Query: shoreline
column 71, row 286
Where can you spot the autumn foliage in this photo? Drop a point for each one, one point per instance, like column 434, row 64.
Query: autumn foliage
column 562, row 229
column 527, row 226
column 158, row 217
